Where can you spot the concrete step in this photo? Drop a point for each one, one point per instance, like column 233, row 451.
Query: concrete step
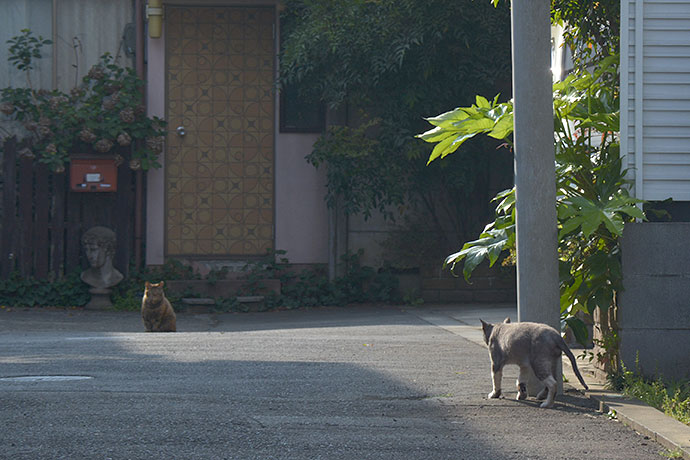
column 206, row 304
column 222, row 288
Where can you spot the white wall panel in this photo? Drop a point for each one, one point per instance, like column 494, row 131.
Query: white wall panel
column 655, row 115
column 16, row 15
column 96, row 27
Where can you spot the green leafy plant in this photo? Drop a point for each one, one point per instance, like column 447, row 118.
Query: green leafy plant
column 381, row 64
column 592, row 199
column 591, row 29
column 127, row 295
column 453, row 128
column 355, row 161
column 24, row 49
column 607, row 346
column 670, row 397
column 671, row 454
column 304, row 288
column 68, row 291
column 104, row 114
column 311, row 287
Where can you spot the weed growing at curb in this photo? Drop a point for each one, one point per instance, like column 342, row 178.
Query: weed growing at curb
column 669, row 396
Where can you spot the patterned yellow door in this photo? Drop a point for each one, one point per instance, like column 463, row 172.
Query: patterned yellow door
column 219, row 174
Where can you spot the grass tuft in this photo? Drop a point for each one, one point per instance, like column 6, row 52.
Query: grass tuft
column 670, row 397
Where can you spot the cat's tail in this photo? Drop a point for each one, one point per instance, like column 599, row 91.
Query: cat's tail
column 562, row 345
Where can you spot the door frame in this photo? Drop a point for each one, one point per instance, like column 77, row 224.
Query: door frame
column 156, row 97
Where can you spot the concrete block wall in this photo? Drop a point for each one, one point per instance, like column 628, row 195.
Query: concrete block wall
column 654, row 308
column 487, row 285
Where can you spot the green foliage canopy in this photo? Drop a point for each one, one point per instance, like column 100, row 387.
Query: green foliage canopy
column 592, row 198
column 592, row 28
column 406, row 51
column 387, row 63
column 104, row 114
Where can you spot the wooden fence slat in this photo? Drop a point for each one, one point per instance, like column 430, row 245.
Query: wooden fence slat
column 41, row 243
column 9, row 207
column 57, row 225
column 124, row 205
column 25, row 216
column 73, row 232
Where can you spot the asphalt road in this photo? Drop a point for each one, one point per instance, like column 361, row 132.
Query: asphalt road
column 360, row 383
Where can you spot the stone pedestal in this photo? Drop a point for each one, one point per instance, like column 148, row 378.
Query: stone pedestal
column 100, row 299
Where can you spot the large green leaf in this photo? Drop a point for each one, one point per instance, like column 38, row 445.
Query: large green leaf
column 436, row 134
column 589, row 215
column 489, row 246
column 597, row 263
column 448, row 118
column 503, row 127
column 506, row 201
column 456, row 126
column 449, row 145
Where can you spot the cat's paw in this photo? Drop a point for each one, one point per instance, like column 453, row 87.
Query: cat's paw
column 522, row 391
column 543, row 394
column 495, row 394
column 546, row 404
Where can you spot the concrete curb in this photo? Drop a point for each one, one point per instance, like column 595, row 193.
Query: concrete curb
column 667, row 431
column 651, row 422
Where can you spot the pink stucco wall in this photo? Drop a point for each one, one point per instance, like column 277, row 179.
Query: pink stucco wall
column 301, row 213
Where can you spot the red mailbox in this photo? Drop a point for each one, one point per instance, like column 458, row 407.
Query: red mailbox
column 93, row 174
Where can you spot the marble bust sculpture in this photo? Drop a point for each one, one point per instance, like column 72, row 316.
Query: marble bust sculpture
column 99, row 246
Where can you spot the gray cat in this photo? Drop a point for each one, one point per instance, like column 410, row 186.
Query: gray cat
column 529, row 345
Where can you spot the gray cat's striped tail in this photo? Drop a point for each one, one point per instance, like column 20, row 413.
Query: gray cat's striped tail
column 569, row 354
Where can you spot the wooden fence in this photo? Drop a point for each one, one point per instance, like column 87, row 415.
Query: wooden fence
column 43, row 221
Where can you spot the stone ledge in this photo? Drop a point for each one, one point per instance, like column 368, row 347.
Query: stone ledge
column 198, row 305
column 206, row 305
column 485, row 296
column 198, row 301
column 250, row 299
column 644, row 419
column 221, row 288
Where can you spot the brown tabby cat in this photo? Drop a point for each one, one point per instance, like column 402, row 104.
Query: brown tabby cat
column 156, row 311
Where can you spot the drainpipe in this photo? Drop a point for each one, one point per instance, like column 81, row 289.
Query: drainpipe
column 139, row 179
column 337, row 219
column 332, row 243
column 55, row 40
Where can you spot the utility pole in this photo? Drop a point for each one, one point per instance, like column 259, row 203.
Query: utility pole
column 535, row 176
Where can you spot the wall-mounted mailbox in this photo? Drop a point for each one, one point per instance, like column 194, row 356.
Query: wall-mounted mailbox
column 93, row 174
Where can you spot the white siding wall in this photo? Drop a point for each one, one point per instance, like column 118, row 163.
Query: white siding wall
column 22, row 14
column 655, row 115
column 96, row 25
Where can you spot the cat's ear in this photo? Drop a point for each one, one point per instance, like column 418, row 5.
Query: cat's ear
column 147, row 284
column 507, row 320
column 486, row 328
column 162, row 283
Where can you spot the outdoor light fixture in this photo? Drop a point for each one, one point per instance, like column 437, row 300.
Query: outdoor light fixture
column 154, row 13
